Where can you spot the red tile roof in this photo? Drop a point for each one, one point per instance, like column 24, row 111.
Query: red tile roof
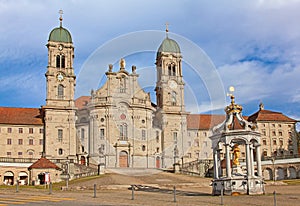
column 21, row 116
column 82, row 101
column 43, row 163
column 267, row 115
column 203, row 121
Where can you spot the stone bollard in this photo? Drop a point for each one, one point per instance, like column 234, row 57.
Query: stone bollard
column 95, row 189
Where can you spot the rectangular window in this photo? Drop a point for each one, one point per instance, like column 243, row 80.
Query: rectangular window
column 30, row 130
column 281, row 142
column 82, row 135
column 280, row 133
column 41, row 142
column 157, row 149
column 9, row 130
column 9, row 141
column 196, row 143
column 274, row 142
column 143, row 134
column 273, row 133
column 264, row 142
column 30, row 142
column 20, row 153
column 175, row 136
column 20, row 130
column 8, row 154
column 30, row 154
column 263, row 132
column 60, row 135
column 102, row 133
column 157, row 136
column 41, row 131
column 20, row 141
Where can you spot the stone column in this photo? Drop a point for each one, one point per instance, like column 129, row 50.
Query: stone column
column 251, row 160
column 216, row 164
column 228, row 167
column 258, row 161
column 248, row 159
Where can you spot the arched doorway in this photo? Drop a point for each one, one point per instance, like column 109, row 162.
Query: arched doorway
column 23, row 177
column 268, row 174
column 8, row 178
column 280, row 173
column 157, row 162
column 292, row 174
column 123, row 159
column 82, row 160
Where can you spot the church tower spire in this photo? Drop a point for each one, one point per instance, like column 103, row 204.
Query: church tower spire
column 60, row 132
column 170, row 114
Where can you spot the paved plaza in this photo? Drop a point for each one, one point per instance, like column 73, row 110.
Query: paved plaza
column 151, row 188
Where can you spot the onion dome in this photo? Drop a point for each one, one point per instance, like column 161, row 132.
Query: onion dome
column 60, row 34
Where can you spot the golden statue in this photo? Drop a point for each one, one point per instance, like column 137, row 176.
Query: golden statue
column 236, row 154
column 122, row 63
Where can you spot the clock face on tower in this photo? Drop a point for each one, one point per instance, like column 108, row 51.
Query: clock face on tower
column 172, row 84
column 60, row 76
column 60, row 47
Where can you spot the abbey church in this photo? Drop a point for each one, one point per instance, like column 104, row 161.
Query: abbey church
column 118, row 125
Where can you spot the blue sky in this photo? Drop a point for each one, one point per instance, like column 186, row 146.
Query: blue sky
column 253, row 45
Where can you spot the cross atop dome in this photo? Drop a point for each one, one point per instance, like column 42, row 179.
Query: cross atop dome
column 61, row 12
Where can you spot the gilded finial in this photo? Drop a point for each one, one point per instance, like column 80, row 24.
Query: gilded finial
column 60, row 18
column 231, row 90
column 233, row 107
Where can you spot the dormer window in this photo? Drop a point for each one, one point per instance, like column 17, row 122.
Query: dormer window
column 60, row 61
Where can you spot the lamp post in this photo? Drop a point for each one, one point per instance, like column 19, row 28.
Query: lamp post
column 273, row 162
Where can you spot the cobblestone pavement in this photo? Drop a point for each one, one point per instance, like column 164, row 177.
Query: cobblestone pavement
column 151, row 189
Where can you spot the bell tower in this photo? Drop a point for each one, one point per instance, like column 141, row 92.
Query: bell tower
column 171, row 114
column 60, row 133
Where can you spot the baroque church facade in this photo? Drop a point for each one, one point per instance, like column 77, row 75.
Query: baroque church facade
column 118, row 125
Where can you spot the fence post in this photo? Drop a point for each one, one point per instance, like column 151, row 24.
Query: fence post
column 94, row 190
column 222, row 194
column 132, row 192
column 17, row 186
column 274, row 193
column 50, row 188
column 174, row 189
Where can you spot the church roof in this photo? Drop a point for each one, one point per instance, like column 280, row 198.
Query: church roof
column 208, row 121
column 43, row 163
column 82, row 101
column 267, row 115
column 203, row 121
column 60, row 34
column 168, row 45
column 20, row 116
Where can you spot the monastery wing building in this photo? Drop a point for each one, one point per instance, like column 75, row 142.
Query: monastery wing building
column 118, row 125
